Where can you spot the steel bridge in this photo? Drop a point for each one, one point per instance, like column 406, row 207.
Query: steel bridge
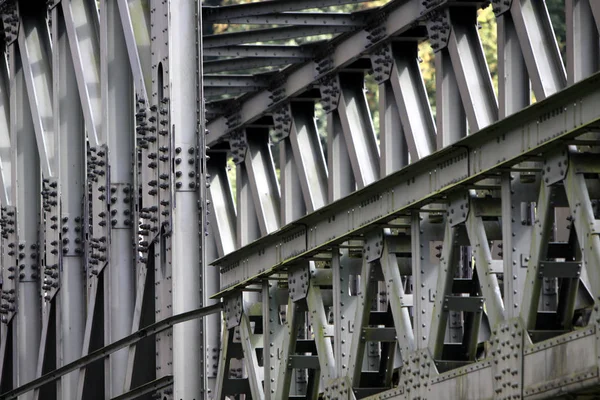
column 153, row 248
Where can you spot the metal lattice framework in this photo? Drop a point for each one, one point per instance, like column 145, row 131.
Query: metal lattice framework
column 456, row 255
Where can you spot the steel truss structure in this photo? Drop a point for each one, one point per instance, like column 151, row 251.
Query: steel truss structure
column 454, row 256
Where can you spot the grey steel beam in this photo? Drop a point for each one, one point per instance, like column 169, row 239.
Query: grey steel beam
column 412, row 101
column 263, row 180
column 187, row 242
column 292, row 204
column 135, row 20
column 26, row 186
column 106, row 351
column 245, row 63
column 394, row 150
column 5, row 152
column 70, row 128
column 357, row 126
column 308, row 155
column 224, row 13
column 538, row 43
column 451, row 120
column 301, row 18
column 266, row 35
column 260, row 50
column 513, row 81
column 223, row 214
column 399, row 17
column 211, row 81
column 341, row 179
column 118, row 129
column 247, row 226
column 81, row 20
column 471, row 71
column 582, row 41
column 502, row 144
column 539, row 246
column 37, row 68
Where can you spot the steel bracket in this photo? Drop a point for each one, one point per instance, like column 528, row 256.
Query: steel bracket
column 98, row 175
column 8, row 300
column 415, row 373
column 555, row 168
column 283, row 122
column 186, row 167
column 373, row 247
column 298, row 282
column 428, row 5
column 52, row 238
column 233, row 310
column 338, row 389
column 330, row 93
column 377, row 30
column 507, row 351
column 120, row 206
column 458, row 210
column 439, row 28
column 501, row 6
column 382, row 61
column 165, row 177
column 277, row 93
column 239, row 146
column 10, row 21
column 28, row 261
column 325, row 64
column 72, row 243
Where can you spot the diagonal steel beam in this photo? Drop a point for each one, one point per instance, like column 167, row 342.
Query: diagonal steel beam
column 5, row 153
column 81, row 21
column 223, row 13
column 37, row 69
column 538, row 43
column 137, row 38
column 302, row 18
column 266, row 35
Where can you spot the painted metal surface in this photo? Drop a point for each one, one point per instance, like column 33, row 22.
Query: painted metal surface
column 177, row 224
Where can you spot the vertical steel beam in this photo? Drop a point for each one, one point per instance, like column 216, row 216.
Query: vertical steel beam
column 582, row 41
column 513, row 81
column 118, row 129
column 451, row 120
column 539, row 46
column 26, row 181
column 185, row 104
column 70, row 129
column 424, row 233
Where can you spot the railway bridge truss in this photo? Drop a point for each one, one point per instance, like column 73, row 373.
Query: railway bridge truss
column 177, row 225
